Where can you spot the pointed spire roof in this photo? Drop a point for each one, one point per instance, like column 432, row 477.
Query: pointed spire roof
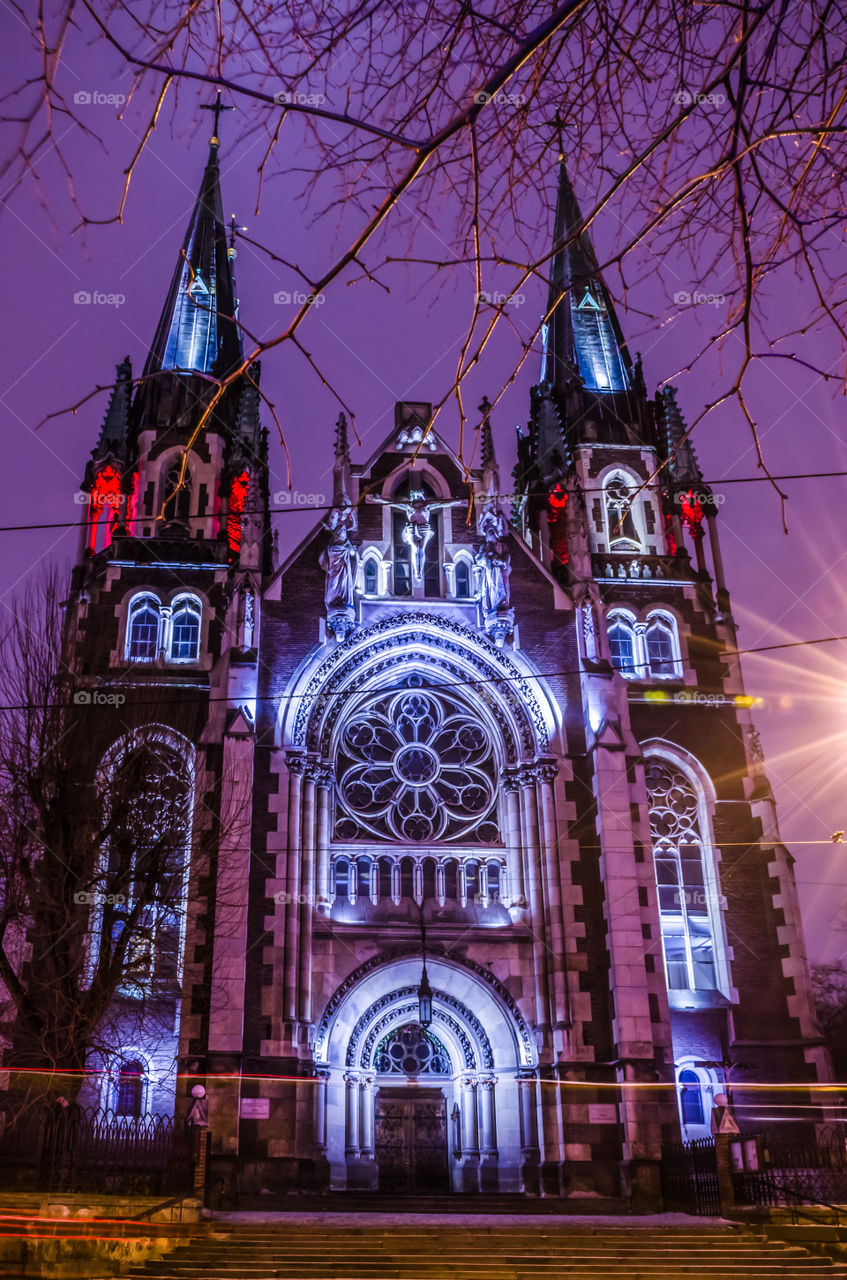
column 341, row 472
column 682, row 460
column 582, row 335
column 197, row 331
column 113, row 432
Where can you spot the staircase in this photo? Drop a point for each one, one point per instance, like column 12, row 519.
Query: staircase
column 334, row 1250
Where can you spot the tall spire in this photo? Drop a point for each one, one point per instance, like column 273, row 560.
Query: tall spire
column 582, row 335
column 113, row 433
column 341, row 473
column 197, row 332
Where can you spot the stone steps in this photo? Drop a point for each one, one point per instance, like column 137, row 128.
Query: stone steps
column 324, row 1251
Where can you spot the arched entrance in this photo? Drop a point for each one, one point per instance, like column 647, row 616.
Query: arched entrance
column 407, row 1109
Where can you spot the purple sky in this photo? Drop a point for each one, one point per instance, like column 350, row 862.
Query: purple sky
column 380, row 346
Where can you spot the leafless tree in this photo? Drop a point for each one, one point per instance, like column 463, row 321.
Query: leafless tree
column 94, row 863
column 708, row 136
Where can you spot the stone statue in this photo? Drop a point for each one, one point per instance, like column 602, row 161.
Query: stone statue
column 495, row 561
column 340, row 559
column 418, row 532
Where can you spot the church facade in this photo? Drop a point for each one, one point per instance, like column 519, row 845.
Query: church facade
column 484, row 889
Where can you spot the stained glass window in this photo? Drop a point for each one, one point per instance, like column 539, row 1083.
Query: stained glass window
column 686, row 898
column 411, row 1051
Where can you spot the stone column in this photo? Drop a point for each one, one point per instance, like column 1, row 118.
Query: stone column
column 487, row 1114
column 532, row 873
column 366, row 1115
column 470, row 1135
column 296, row 765
column 322, row 1078
column 351, row 1143
column 488, row 1133
column 324, row 784
column 307, row 893
column 514, row 846
column 561, row 1012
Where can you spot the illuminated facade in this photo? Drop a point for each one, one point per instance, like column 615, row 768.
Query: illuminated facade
column 481, row 832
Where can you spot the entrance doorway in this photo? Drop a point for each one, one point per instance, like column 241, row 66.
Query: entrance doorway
column 411, row 1141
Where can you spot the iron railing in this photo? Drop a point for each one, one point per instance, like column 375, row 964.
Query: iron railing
column 70, row 1148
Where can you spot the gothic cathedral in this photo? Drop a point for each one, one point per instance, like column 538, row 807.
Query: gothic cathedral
column 484, row 890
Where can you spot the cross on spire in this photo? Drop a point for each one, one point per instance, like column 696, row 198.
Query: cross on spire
column 234, row 228
column 218, row 107
column 558, row 124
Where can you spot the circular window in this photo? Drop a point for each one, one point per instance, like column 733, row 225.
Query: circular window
column 411, row 1051
column 416, row 766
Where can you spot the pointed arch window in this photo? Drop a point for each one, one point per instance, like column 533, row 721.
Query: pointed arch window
column 689, row 902
column 622, row 644
column 620, row 522
column 691, row 1097
column 371, row 577
column 138, row 893
column 130, row 1088
column 143, row 627
column 463, row 579
column 185, row 630
column 662, row 646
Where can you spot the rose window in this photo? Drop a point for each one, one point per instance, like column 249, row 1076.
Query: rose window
column 416, row 766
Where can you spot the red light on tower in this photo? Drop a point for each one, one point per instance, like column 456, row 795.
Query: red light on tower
column 237, row 497
column 105, row 497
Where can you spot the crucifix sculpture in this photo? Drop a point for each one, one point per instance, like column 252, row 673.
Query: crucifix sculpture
column 418, row 532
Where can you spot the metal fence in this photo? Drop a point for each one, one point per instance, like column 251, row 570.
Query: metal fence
column 690, row 1178
column 769, row 1170
column 74, row 1149
column 809, row 1171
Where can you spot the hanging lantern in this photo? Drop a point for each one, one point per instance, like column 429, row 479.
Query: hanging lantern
column 424, row 999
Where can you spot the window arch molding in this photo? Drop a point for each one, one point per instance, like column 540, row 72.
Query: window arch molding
column 373, row 573
column 184, row 628
column 624, row 646
column 459, row 571
column 663, row 661
column 110, row 1099
column 647, row 649
column 162, row 740
column 676, row 758
column 696, row 1087
column 143, row 630
column 624, row 526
